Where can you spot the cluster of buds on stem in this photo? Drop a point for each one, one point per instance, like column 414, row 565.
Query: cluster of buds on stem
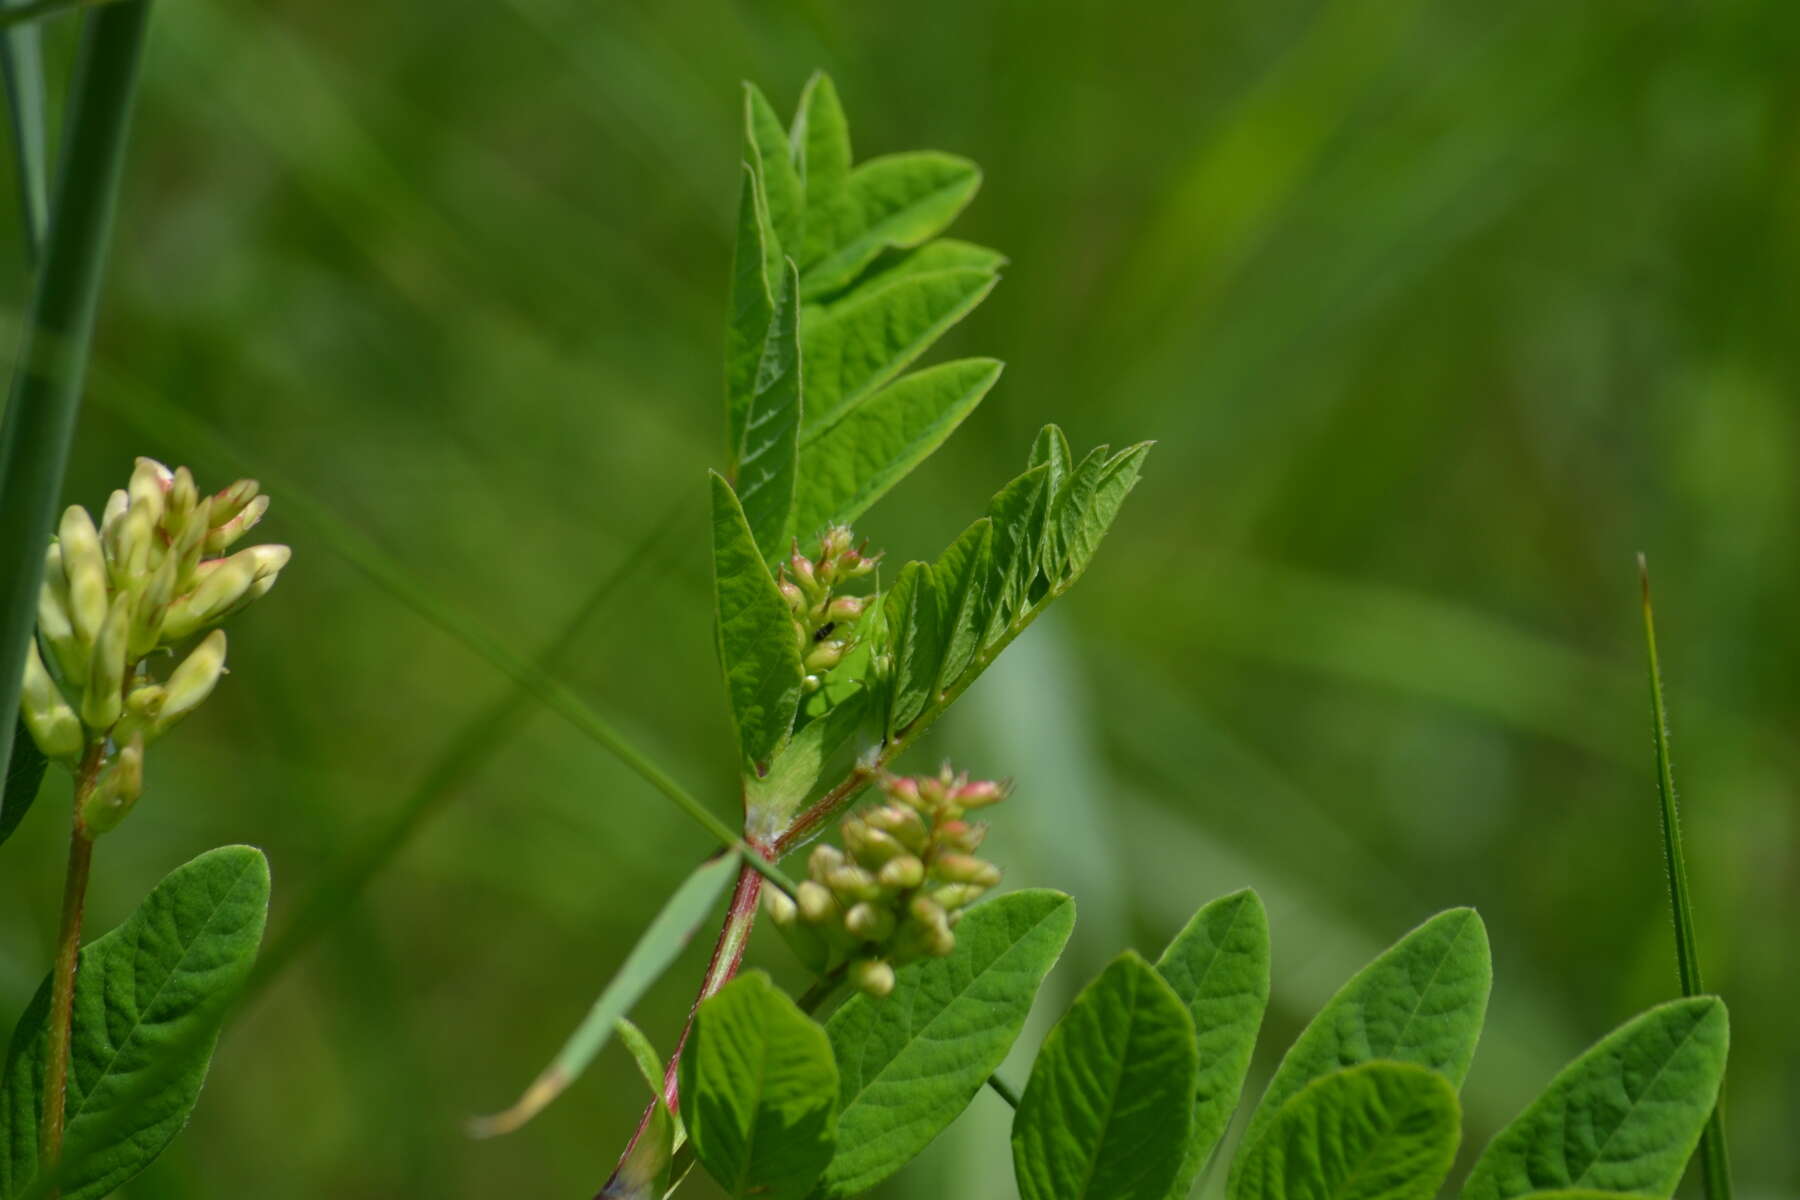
column 895, row 892
column 155, row 572
column 824, row 622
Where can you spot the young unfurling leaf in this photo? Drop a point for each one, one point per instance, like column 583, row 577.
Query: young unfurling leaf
column 757, row 644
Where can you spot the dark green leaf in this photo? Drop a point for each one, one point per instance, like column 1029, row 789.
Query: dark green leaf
column 1422, row 1001
column 821, row 139
column 912, row 613
column 848, row 467
column 757, row 643
column 1219, row 966
column 24, row 778
column 961, row 574
column 756, row 261
column 897, row 200
column 1017, row 513
column 759, row 1092
column 1107, row 1112
column 1379, row 1131
column 768, row 469
column 862, row 343
column 1097, row 512
column 910, row 1063
column 154, row 987
column 1624, row 1117
column 766, row 147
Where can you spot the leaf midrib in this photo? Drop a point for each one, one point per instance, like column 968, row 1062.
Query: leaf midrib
column 1600, row 1150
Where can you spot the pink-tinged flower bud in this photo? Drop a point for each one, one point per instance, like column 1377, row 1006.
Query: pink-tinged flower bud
column 836, row 542
column 903, row 789
column 901, row 873
column 85, row 566
column 802, row 570
column 965, row 868
column 120, row 784
column 960, row 835
column 104, row 700
column 815, row 902
column 869, row 923
column 933, row 792
column 796, row 600
column 824, row 656
column 228, row 502
column 905, row 824
column 844, row 610
column 953, row 896
column 873, row 976
column 978, row 794
column 49, row 717
column 221, row 537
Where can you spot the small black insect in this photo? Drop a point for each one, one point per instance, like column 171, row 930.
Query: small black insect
column 824, row 631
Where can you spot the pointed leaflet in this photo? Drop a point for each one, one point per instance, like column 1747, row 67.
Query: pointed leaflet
column 868, row 339
column 756, row 263
column 1624, row 1117
column 910, row 1063
column 24, row 776
column 961, row 574
column 768, row 469
column 1089, row 523
column 897, row 200
column 1422, row 1001
column 1109, row 1105
column 1017, row 513
column 1219, row 966
column 666, row 937
column 757, row 645
column 821, row 141
column 944, row 254
column 155, row 987
column 759, row 1091
column 1050, row 449
column 1379, row 1131
column 911, row 611
column 848, row 467
column 767, row 149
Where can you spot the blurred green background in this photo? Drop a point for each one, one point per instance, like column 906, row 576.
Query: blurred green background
column 1439, row 311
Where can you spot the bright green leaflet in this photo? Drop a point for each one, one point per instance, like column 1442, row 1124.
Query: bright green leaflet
column 1379, row 1131
column 911, row 610
column 157, row 985
column 1219, row 966
column 24, row 777
column 910, row 1063
column 759, row 1091
column 1107, row 1112
column 1422, row 1001
column 1624, row 1117
column 943, row 254
column 855, row 462
column 752, row 309
column 768, row 469
column 659, row 946
column 960, row 573
column 897, row 200
column 821, row 141
column 766, row 148
column 756, row 633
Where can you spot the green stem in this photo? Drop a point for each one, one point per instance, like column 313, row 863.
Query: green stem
column 1004, row 1090
column 1714, row 1163
column 68, row 955
column 39, row 425
column 38, row 10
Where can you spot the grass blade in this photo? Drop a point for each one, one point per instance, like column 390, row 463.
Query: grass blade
column 39, row 425
column 1715, row 1165
column 22, row 62
column 38, row 10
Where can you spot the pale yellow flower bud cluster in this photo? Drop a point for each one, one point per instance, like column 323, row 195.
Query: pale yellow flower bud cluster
column 824, row 622
column 895, row 892
column 156, row 571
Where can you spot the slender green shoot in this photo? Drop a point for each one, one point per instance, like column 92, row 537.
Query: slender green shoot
column 1715, row 1165
column 22, row 63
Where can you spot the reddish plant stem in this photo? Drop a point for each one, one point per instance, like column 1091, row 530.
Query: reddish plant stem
column 68, row 951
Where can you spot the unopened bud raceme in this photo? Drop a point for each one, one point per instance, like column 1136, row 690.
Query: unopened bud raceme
column 127, row 593
column 897, row 889
column 825, row 623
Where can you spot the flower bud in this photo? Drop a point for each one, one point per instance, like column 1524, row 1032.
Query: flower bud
column 824, row 656
column 221, row 537
column 872, row 976
column 871, row 846
column 960, row 835
column 779, row 905
column 192, row 681
column 824, row 857
column 901, row 873
column 851, row 884
column 184, row 497
column 802, row 570
column 810, row 684
column 835, row 542
column 54, row 623
column 978, row 794
column 845, row 610
column 104, row 701
column 815, row 902
column 53, row 724
column 151, row 607
column 117, row 505
column 137, row 540
column 965, row 868
column 85, row 566
column 953, row 896
column 796, row 600
column 116, row 791
column 149, row 489
column 869, row 923
column 229, row 502
column 905, row 825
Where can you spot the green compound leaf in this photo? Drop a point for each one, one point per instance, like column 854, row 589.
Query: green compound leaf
column 911, row 611
column 897, row 200
column 768, row 468
column 759, row 1091
column 666, row 937
column 1219, row 966
column 156, row 986
column 911, row 1063
column 1107, row 1112
column 756, row 634
column 960, row 575
column 851, row 465
column 1624, row 1117
column 1422, row 1001
column 1379, row 1131
column 766, row 148
column 755, row 266
column 944, row 254
column 1092, row 500
column 860, row 344
column 821, row 142
column 24, row 777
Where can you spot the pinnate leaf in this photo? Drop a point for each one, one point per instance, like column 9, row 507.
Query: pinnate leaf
column 1379, row 1131
column 757, row 645
column 896, row 200
column 911, row 610
column 755, row 267
column 910, row 1063
column 759, row 1091
column 1107, row 1112
column 766, row 148
column 1624, row 1117
column 768, row 469
column 1219, row 967
column 149, row 998
column 1421, row 1001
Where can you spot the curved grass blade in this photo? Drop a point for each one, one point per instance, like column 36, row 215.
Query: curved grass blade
column 24, row 779
column 1624, row 1117
column 39, row 424
column 40, row 10
column 659, row 946
column 1715, row 1162
column 22, row 62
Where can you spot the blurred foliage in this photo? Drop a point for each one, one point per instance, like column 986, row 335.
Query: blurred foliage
column 1439, row 311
